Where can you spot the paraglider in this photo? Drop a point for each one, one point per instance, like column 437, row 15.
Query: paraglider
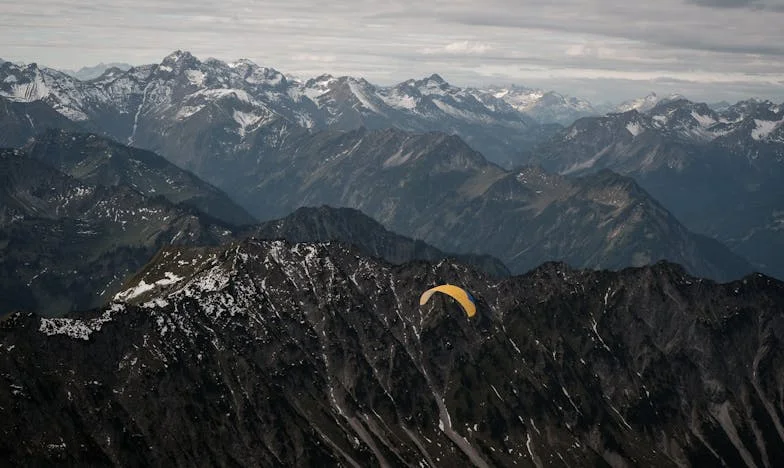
column 459, row 294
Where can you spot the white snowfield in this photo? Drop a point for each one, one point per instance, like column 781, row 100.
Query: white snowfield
column 143, row 287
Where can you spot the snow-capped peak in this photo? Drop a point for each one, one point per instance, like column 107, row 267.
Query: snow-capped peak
column 544, row 106
column 177, row 56
column 243, row 62
column 642, row 104
column 178, row 61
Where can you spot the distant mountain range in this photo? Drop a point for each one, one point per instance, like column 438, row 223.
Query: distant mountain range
column 721, row 172
column 434, row 187
column 274, row 144
column 544, row 106
column 146, row 105
column 270, row 353
column 151, row 105
column 89, row 73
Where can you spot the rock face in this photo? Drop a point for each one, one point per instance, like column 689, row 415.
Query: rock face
column 266, row 353
column 352, row 227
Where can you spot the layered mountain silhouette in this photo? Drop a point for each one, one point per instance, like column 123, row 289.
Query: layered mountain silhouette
column 434, row 187
column 69, row 241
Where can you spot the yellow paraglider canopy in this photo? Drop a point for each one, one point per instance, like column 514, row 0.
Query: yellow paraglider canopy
column 459, row 294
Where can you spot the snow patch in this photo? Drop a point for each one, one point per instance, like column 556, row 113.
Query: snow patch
column 76, row 328
column 660, row 119
column 220, row 93
column 400, row 100
column 195, row 77
column 397, row 159
column 213, row 280
column 455, row 112
column 247, row 120
column 187, row 111
column 143, row 287
column 534, row 458
column 764, row 128
column 705, row 121
column 634, row 128
column 587, row 164
column 27, row 92
column 521, row 100
column 360, row 94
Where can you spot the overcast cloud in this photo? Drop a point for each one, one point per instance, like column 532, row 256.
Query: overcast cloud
column 600, row 49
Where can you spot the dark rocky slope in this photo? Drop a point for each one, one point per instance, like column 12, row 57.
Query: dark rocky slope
column 270, row 354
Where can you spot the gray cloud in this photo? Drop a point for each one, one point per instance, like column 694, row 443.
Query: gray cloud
column 775, row 5
column 725, row 3
column 599, row 49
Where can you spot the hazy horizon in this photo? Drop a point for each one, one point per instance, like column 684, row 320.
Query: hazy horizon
column 706, row 50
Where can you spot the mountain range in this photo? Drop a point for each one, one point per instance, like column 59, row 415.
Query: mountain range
column 92, row 72
column 184, row 91
column 269, row 353
column 546, row 107
column 145, row 105
column 429, row 187
column 720, row 172
column 238, row 125
column 436, row 188
column 79, row 213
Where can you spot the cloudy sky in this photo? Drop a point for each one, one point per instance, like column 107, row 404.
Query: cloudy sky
column 603, row 50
